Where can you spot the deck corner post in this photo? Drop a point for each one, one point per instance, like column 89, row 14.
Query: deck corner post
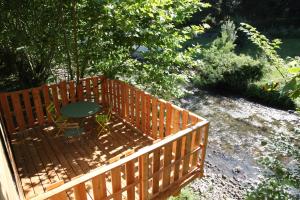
column 143, row 176
column 204, row 144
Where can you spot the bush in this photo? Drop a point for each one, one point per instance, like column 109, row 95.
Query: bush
column 227, row 70
column 222, row 68
column 271, row 98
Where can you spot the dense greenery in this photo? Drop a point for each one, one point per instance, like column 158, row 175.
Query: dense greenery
column 78, row 38
column 221, row 67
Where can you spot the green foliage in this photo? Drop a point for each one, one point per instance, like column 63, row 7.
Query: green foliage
column 269, row 96
column 100, row 37
column 221, row 67
column 283, row 150
column 291, row 85
column 186, row 194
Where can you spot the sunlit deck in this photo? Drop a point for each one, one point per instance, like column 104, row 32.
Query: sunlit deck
column 43, row 158
column 150, row 150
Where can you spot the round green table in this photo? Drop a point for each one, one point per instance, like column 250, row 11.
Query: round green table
column 80, row 109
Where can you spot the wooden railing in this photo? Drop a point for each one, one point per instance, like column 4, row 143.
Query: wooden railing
column 155, row 171
column 27, row 108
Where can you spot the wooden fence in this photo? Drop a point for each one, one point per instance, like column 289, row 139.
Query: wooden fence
column 155, row 171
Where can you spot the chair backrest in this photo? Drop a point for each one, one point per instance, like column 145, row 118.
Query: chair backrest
column 52, row 112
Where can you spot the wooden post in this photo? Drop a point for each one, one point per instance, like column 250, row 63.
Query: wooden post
column 99, row 187
column 143, row 175
column 204, row 144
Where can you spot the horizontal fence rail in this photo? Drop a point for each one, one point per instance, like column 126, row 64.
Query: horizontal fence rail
column 162, row 168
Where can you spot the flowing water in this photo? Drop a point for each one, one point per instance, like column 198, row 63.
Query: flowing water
column 239, row 130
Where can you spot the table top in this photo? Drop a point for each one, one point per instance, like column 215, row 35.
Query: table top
column 80, row 109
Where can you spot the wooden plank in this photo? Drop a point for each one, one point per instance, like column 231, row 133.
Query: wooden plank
column 185, row 117
column 28, row 108
column 161, row 120
column 45, row 90
column 132, row 105
column 204, row 144
column 143, row 112
column 156, row 167
column 7, row 113
column 177, row 157
column 79, row 89
column 123, row 99
column 137, row 109
column 167, row 161
column 59, row 196
column 116, row 182
column 18, row 111
column 23, row 170
column 63, row 92
column 96, row 89
column 55, row 99
column 169, row 118
column 72, row 91
column 186, row 161
column 143, row 175
column 118, row 92
column 88, row 89
column 99, row 187
column 79, row 191
column 38, row 105
column 111, row 100
column 130, row 179
column 176, row 121
column 154, row 117
column 197, row 139
column 147, row 111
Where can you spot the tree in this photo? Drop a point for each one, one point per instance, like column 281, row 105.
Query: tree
column 103, row 36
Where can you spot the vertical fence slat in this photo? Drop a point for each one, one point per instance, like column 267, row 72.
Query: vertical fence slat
column 15, row 98
column 143, row 111
column 161, row 119
column 187, row 150
column 204, row 144
column 167, row 162
column 38, row 105
column 88, row 89
column 79, row 89
column 130, row 178
column 156, row 166
column 154, row 117
column 47, row 101
column 169, row 119
column 55, row 98
column 185, row 118
column 28, row 108
column 116, row 182
column 63, row 92
column 196, row 145
column 7, row 113
column 99, row 187
column 111, row 102
column 96, row 89
column 137, row 109
column 79, row 191
column 176, row 122
column 144, row 174
column 132, row 100
column 126, row 102
column 148, row 113
column 177, row 157
column 72, row 91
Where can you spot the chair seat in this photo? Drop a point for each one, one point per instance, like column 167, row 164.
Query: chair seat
column 73, row 132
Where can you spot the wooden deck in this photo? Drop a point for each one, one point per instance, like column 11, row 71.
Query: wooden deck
column 43, row 158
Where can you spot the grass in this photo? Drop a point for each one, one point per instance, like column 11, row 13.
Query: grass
column 186, row 194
